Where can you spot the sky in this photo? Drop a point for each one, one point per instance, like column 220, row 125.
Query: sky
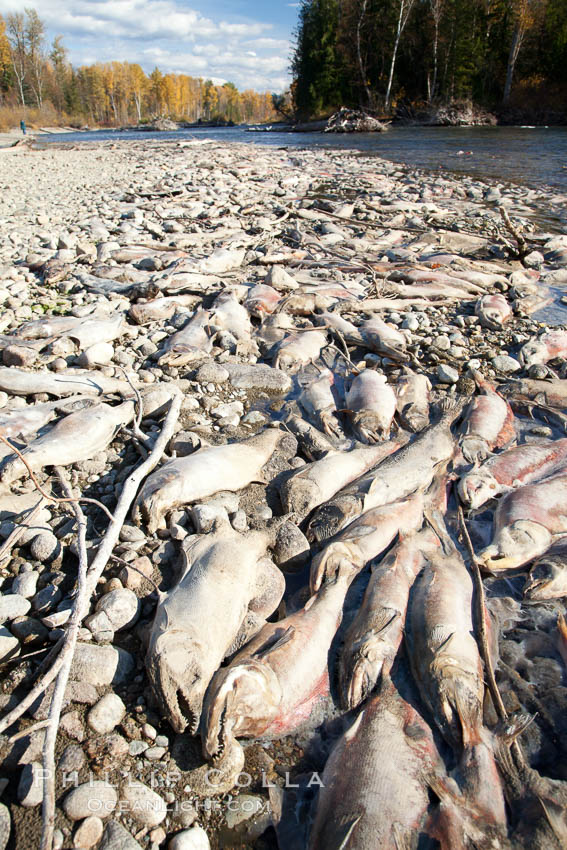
column 246, row 42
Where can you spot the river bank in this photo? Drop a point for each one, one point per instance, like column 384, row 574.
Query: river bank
column 196, row 270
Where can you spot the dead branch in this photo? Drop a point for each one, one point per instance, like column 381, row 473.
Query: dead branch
column 11, row 541
column 67, row 653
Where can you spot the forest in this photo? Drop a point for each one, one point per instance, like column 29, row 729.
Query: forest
column 38, row 83
column 406, row 56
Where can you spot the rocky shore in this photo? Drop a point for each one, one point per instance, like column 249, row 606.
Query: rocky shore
column 165, row 302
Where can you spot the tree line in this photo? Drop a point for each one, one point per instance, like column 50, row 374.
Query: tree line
column 38, row 76
column 505, row 55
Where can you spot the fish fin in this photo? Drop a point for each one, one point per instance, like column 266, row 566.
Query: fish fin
column 435, row 519
column 357, row 531
column 278, row 643
column 344, row 832
column 554, row 815
column 469, row 712
column 402, row 841
column 506, row 731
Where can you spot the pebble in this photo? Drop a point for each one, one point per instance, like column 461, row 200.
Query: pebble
column 100, row 354
column 30, row 786
column 121, row 606
column 25, row 584
column 213, row 372
column 106, row 714
column 45, row 547
column 194, row 838
column 116, row 837
column 447, row 374
column 143, row 805
column 101, row 665
column 505, row 364
column 13, row 605
column 9, row 645
column 93, row 798
column 5, row 826
column 88, row 833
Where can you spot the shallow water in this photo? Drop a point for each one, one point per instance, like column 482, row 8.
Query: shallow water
column 535, row 156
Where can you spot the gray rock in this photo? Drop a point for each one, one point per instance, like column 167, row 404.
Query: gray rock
column 243, row 808
column 504, row 363
column 212, row 371
column 88, row 833
column 93, row 798
column 258, row 376
column 45, row 547
column 46, row 599
column 534, row 260
column 72, row 758
column 292, row 548
column 228, row 409
column 116, row 837
column 101, row 665
column 30, row 786
column 136, row 748
column 204, row 517
column 25, row 584
column 447, row 374
column 142, row 804
column 13, row 605
column 4, row 826
column 194, row 838
column 28, row 630
column 106, row 714
column 99, row 354
column 9, row 645
column 121, row 606
column 280, row 279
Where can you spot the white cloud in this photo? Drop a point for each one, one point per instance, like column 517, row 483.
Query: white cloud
column 170, row 34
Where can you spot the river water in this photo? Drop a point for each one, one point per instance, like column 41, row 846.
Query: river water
column 532, row 156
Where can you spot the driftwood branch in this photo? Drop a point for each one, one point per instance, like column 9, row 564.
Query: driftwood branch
column 67, row 653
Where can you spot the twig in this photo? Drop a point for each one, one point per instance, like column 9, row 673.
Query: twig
column 522, row 245
column 29, row 730
column 140, row 413
column 103, row 554
column 484, row 648
column 66, row 659
column 42, row 491
column 13, row 538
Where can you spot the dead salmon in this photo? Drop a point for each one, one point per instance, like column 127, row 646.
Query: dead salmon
column 488, row 424
column 374, row 637
column 513, row 468
column 314, row 484
column 547, row 578
column 272, row 686
column 201, row 474
column 525, row 524
column 413, row 400
column 408, row 469
column 225, row 591
column 371, row 405
column 443, row 651
column 375, row 791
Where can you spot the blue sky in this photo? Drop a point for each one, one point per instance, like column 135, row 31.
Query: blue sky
column 246, row 42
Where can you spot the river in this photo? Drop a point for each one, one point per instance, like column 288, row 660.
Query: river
column 532, row 156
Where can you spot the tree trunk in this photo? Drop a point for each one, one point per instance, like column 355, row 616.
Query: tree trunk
column 517, row 39
column 394, row 55
column 361, row 67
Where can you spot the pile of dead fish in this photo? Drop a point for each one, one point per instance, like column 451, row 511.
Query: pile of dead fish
column 289, row 628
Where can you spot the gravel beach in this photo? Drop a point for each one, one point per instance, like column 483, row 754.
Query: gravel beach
column 163, row 302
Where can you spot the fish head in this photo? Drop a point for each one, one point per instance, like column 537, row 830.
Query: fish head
column 414, row 419
column 547, row 580
column 516, row 544
column 333, row 516
column 360, row 670
column 459, row 702
column 370, row 426
column 334, row 562
column 474, row 449
column 242, row 702
column 477, row 487
column 176, row 677
column 299, row 495
column 533, row 353
column 491, row 317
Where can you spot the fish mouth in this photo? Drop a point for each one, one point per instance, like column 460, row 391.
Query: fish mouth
column 498, row 563
column 242, row 702
column 537, row 589
column 364, row 676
